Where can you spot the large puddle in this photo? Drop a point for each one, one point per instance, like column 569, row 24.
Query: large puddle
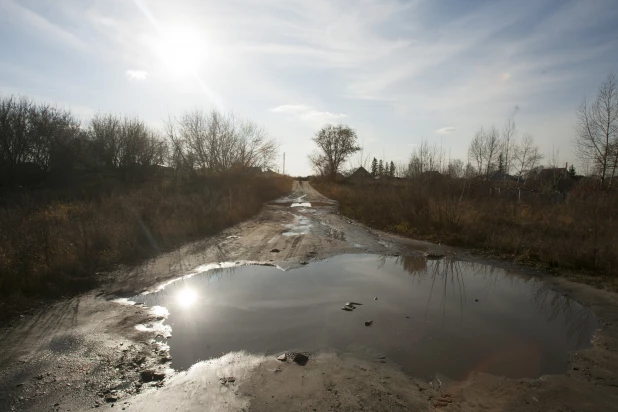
column 443, row 316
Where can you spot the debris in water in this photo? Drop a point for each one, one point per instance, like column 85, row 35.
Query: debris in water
column 476, row 300
column 376, row 298
column 282, row 357
column 347, row 308
column 368, row 323
column 354, row 304
column 300, row 358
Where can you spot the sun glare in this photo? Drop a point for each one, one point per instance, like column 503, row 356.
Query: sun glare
column 182, row 49
column 186, row 298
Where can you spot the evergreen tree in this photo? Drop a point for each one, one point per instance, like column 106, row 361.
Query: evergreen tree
column 392, row 171
column 380, row 168
column 374, row 167
column 572, row 171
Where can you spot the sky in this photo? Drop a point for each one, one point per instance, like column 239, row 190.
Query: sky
column 397, row 71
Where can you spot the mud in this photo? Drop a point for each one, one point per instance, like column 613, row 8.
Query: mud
column 86, row 352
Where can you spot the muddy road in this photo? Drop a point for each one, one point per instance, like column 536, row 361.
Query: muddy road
column 114, row 347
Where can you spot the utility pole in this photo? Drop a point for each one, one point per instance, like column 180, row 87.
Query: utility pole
column 283, row 162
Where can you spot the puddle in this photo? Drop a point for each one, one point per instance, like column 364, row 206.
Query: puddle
column 431, row 317
column 300, row 204
column 300, row 226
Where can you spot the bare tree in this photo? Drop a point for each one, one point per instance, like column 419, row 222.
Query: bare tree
column 509, row 131
column 456, row 168
column 526, row 155
column 484, row 150
column 214, row 143
column 425, row 158
column 34, row 138
column 597, row 130
column 476, row 150
column 104, row 132
column 335, row 144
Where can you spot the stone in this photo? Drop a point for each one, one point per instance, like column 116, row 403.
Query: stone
column 300, row 358
column 150, row 375
column 368, row 323
column 347, row 308
column 275, row 251
column 282, row 357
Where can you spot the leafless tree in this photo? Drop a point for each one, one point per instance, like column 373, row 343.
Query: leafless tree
column 526, row 155
column 484, row 150
column 597, row 130
column 425, row 158
column 214, row 143
column 509, row 131
column 104, row 131
column 34, row 137
column 456, row 168
column 476, row 150
column 335, row 144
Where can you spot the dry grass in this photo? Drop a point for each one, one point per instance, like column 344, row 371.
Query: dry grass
column 580, row 234
column 52, row 244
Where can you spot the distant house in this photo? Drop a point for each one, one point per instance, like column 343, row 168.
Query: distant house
column 269, row 173
column 500, row 176
column 558, row 179
column 361, row 174
column 253, row 170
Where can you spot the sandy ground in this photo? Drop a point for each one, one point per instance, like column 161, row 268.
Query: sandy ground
column 87, row 353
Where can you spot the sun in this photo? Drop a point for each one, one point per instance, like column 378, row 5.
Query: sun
column 182, row 49
column 186, row 297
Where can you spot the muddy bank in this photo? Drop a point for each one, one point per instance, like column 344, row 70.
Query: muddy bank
column 84, row 352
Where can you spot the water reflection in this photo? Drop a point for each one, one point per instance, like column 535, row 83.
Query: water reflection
column 444, row 316
column 448, row 284
column 186, row 297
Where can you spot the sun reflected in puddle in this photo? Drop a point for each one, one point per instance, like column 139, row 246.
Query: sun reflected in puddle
column 186, row 298
column 430, row 316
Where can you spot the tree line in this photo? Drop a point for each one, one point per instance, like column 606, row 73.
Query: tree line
column 491, row 149
column 39, row 141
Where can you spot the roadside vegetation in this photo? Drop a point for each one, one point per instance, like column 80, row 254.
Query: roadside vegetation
column 503, row 200
column 76, row 199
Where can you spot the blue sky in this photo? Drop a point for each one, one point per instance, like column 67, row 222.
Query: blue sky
column 396, row 70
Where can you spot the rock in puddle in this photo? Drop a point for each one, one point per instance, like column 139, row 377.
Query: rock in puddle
column 282, row 357
column 299, row 357
column 347, row 308
column 368, row 322
column 111, row 398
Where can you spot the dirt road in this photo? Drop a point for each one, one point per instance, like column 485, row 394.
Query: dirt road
column 87, row 352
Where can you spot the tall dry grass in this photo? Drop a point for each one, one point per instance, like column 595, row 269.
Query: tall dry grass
column 579, row 234
column 53, row 243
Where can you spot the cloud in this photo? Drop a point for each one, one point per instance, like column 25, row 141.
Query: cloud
column 136, row 75
column 50, row 31
column 307, row 113
column 446, row 130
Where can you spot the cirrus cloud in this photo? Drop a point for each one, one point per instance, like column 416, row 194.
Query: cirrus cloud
column 446, row 130
column 307, row 113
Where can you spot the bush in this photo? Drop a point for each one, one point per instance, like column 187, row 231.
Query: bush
column 52, row 244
